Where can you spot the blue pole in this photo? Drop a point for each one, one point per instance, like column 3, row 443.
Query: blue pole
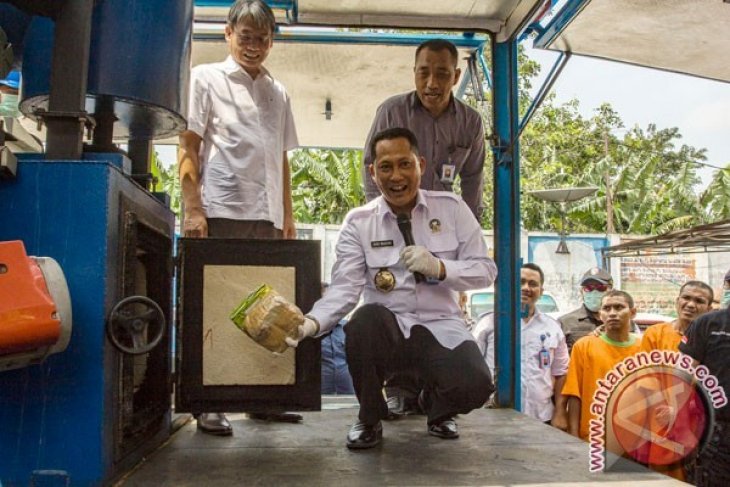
column 506, row 223
column 311, row 36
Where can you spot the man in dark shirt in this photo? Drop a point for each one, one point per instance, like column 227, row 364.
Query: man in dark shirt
column 594, row 284
column 450, row 132
column 707, row 341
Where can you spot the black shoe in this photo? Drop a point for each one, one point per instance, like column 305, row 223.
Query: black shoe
column 445, row 429
column 362, row 436
column 277, row 417
column 214, row 424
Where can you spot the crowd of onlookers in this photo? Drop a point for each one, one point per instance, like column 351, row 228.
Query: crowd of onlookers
column 562, row 360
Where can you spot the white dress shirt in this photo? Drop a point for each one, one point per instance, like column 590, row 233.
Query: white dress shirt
column 246, row 125
column 370, row 241
column 537, row 380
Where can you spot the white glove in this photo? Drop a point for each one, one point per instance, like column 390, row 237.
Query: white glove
column 417, row 258
column 307, row 329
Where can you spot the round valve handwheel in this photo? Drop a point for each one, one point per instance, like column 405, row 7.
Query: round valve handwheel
column 136, row 325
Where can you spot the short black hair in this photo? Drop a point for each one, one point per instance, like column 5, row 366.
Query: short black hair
column 623, row 294
column 701, row 285
column 536, row 268
column 395, row 133
column 439, row 45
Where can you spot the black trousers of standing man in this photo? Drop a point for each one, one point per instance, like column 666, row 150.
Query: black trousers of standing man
column 455, row 381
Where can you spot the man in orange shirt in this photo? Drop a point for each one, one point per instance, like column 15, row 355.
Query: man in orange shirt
column 695, row 298
column 593, row 357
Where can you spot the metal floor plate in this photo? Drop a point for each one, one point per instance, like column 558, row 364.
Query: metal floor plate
column 496, row 447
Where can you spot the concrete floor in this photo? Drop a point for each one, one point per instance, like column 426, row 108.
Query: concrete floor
column 496, row 447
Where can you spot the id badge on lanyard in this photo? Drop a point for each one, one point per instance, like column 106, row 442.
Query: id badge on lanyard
column 544, row 355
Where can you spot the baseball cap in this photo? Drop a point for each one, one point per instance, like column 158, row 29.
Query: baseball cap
column 597, row 274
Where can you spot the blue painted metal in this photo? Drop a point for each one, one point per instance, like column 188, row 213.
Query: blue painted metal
column 507, row 223
column 559, row 22
column 552, row 76
column 147, row 85
column 282, row 4
column 595, row 243
column 59, row 416
column 463, row 83
column 52, row 415
column 311, row 36
column 483, row 64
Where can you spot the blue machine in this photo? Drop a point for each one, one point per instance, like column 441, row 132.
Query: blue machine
column 74, row 413
column 138, row 65
column 85, row 416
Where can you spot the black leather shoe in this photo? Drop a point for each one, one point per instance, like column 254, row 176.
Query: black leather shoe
column 277, row 417
column 362, row 436
column 445, row 429
column 214, row 424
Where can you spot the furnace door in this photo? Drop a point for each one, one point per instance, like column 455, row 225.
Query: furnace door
column 219, row 367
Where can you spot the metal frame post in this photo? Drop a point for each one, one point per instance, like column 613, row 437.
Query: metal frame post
column 505, row 146
column 66, row 114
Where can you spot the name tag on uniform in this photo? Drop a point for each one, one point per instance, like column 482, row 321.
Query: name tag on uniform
column 376, row 244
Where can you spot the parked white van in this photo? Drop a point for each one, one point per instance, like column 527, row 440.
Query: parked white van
column 480, row 301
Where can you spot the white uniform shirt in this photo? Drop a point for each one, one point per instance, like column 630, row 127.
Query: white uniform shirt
column 246, row 125
column 370, row 241
column 537, row 380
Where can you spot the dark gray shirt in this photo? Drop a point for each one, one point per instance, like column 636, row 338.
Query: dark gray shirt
column 452, row 144
column 577, row 324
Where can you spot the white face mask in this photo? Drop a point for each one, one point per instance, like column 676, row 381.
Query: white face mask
column 725, row 302
column 592, row 300
column 9, row 105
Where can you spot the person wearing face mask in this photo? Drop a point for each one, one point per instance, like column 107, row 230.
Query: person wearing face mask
column 594, row 284
column 725, row 300
column 9, row 95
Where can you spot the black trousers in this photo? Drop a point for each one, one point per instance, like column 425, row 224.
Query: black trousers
column 712, row 468
column 455, row 381
column 227, row 228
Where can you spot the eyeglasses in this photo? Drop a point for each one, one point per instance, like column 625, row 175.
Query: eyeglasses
column 595, row 287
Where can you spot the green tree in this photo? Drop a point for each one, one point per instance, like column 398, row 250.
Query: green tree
column 326, row 184
column 166, row 180
column 716, row 197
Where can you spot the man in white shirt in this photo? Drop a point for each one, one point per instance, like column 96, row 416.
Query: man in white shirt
column 411, row 316
column 234, row 171
column 545, row 356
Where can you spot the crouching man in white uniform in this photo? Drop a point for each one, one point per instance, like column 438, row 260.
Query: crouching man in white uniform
column 411, row 317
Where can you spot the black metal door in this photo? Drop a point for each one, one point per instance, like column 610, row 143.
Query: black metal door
column 219, row 367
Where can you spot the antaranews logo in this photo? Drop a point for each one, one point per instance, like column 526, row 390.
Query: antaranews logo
column 653, row 407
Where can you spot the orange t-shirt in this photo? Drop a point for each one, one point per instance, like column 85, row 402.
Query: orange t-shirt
column 591, row 359
column 661, row 336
